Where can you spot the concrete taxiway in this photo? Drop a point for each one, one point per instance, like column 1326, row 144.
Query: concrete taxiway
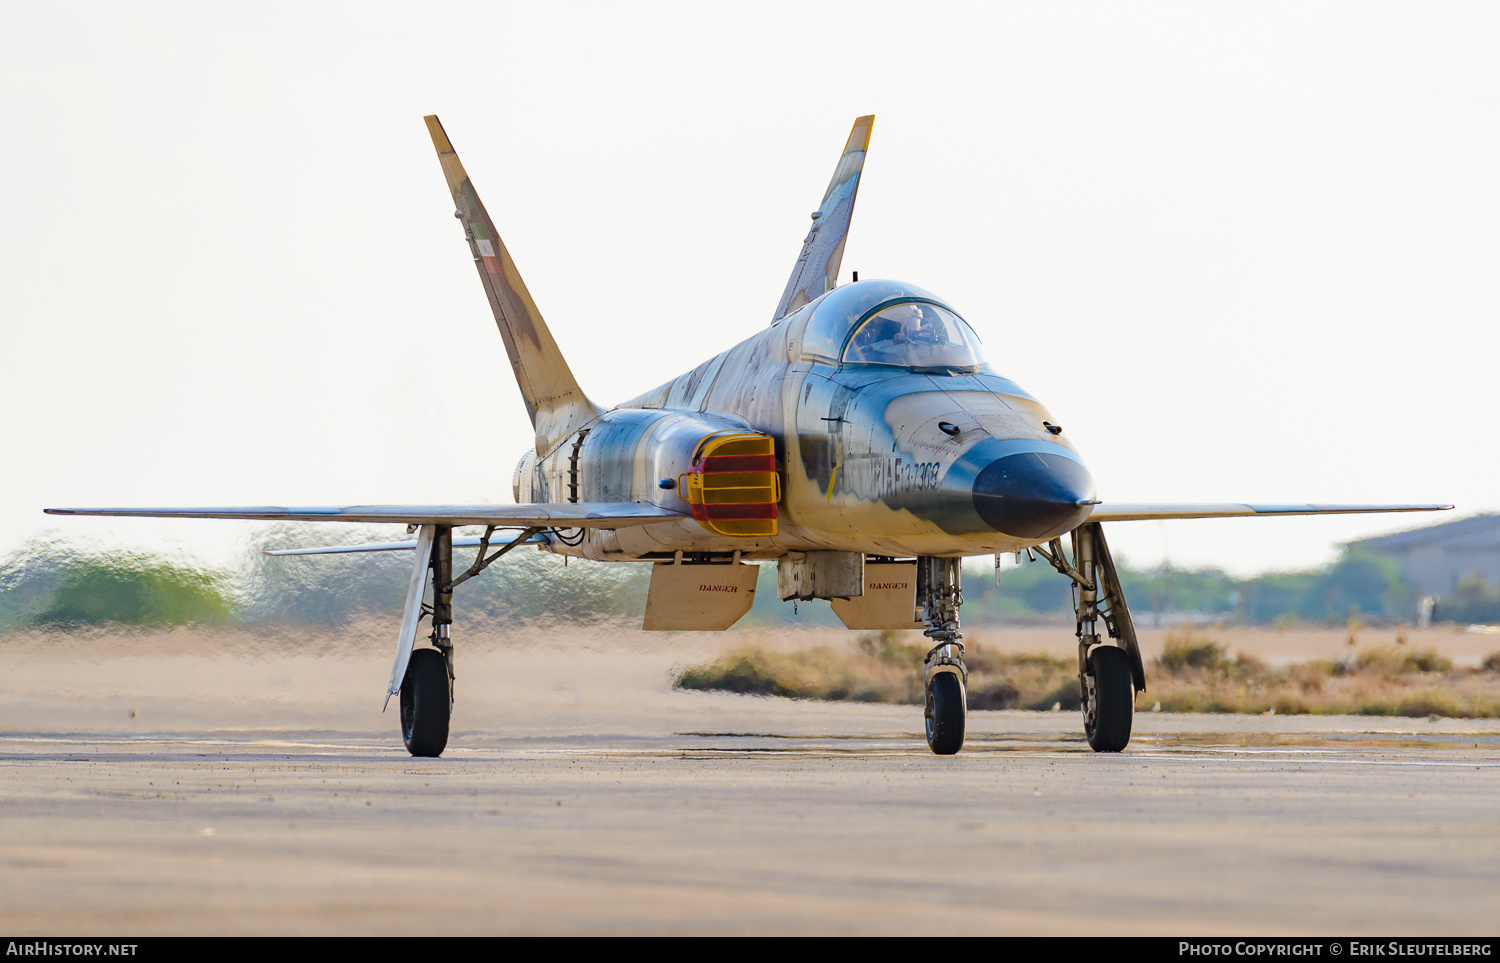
column 144, row 789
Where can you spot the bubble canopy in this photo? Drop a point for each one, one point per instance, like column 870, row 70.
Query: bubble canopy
column 914, row 334
column 889, row 323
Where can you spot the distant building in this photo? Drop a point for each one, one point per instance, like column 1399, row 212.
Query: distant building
column 1435, row 558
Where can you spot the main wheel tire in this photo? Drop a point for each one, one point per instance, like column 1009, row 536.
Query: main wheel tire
column 1108, row 725
column 426, row 703
column 945, row 714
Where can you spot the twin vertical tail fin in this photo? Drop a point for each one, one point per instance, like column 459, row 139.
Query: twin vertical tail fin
column 817, row 268
column 557, row 406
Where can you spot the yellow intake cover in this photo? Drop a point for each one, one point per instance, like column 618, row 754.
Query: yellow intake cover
column 733, row 486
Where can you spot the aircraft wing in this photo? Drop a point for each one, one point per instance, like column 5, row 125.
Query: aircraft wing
column 1147, row 512
column 551, row 515
column 817, row 267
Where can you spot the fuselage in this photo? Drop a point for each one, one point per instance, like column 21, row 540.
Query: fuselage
column 883, row 457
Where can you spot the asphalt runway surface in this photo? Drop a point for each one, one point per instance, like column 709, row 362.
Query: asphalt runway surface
column 178, row 784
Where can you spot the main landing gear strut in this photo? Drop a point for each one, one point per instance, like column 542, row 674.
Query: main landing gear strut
column 426, row 687
column 945, row 677
column 1110, row 673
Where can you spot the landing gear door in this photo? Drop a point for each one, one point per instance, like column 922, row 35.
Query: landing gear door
column 889, row 601
column 699, row 597
column 1117, row 614
column 421, row 562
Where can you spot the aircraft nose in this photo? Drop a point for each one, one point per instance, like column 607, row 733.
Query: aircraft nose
column 1034, row 494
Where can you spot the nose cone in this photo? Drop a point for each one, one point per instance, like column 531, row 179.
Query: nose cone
column 1034, row 494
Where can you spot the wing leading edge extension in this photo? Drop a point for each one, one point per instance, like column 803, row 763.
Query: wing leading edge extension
column 1140, row 513
column 550, row 515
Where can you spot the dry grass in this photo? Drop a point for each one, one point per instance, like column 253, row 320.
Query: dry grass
column 878, row 667
column 1193, row 673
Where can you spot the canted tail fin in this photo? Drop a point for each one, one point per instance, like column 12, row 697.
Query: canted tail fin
column 817, row 268
column 557, row 406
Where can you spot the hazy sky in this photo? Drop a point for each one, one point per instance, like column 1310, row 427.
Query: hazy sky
column 1243, row 252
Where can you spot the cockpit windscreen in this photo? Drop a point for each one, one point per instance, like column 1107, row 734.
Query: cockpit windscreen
column 915, row 335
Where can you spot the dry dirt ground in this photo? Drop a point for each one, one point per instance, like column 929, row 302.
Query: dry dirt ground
column 236, row 782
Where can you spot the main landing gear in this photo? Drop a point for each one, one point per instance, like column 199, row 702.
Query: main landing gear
column 945, row 677
column 1109, row 673
column 426, row 686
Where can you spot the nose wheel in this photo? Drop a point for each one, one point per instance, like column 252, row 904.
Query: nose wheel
column 945, row 713
column 426, row 703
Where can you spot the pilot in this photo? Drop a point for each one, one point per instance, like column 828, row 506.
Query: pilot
column 921, row 329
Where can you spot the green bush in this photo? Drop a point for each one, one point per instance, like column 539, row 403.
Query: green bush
column 137, row 590
column 1472, row 600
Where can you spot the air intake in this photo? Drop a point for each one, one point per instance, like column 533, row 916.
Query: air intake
column 733, row 486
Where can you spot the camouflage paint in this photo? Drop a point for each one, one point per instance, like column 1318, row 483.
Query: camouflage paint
column 863, row 463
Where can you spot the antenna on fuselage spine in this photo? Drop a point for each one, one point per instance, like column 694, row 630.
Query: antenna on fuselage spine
column 556, row 405
column 817, row 267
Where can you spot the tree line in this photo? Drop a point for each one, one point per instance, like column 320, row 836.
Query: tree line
column 56, row 584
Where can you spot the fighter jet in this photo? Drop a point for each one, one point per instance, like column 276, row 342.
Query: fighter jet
column 861, row 441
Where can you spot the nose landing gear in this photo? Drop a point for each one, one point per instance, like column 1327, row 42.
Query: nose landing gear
column 945, row 677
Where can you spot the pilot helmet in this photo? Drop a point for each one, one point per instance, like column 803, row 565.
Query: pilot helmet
column 920, row 329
